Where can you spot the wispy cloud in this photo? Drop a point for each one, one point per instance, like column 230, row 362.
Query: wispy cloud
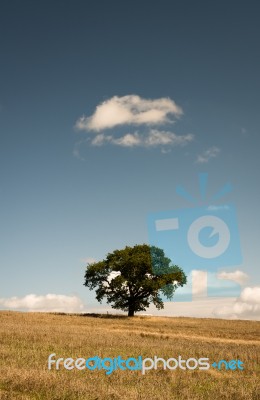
column 207, row 155
column 151, row 139
column 48, row 302
column 244, row 132
column 76, row 149
column 236, row 276
column 129, row 110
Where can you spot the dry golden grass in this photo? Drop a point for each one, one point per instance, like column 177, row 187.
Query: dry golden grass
column 27, row 339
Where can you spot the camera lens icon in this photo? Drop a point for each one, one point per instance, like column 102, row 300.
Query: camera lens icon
column 218, row 226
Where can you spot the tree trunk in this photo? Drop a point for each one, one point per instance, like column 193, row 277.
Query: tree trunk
column 131, row 311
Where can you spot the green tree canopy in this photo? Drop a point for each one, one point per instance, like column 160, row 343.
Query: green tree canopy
column 132, row 278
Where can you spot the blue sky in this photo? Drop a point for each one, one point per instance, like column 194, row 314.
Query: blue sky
column 64, row 199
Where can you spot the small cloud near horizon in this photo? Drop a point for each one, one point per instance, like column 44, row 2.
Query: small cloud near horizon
column 88, row 260
column 45, row 303
column 247, row 306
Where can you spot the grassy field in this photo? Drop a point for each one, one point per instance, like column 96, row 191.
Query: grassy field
column 27, row 339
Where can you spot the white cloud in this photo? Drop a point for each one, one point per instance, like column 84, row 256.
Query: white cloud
column 251, row 295
column 48, row 302
column 132, row 110
column 151, row 139
column 88, row 260
column 156, row 137
column 247, row 306
column 236, row 276
column 101, row 139
column 128, row 140
column 129, row 110
column 207, row 155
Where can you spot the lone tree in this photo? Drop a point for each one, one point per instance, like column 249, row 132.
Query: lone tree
column 134, row 277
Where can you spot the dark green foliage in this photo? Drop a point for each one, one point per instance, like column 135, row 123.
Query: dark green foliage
column 143, row 270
